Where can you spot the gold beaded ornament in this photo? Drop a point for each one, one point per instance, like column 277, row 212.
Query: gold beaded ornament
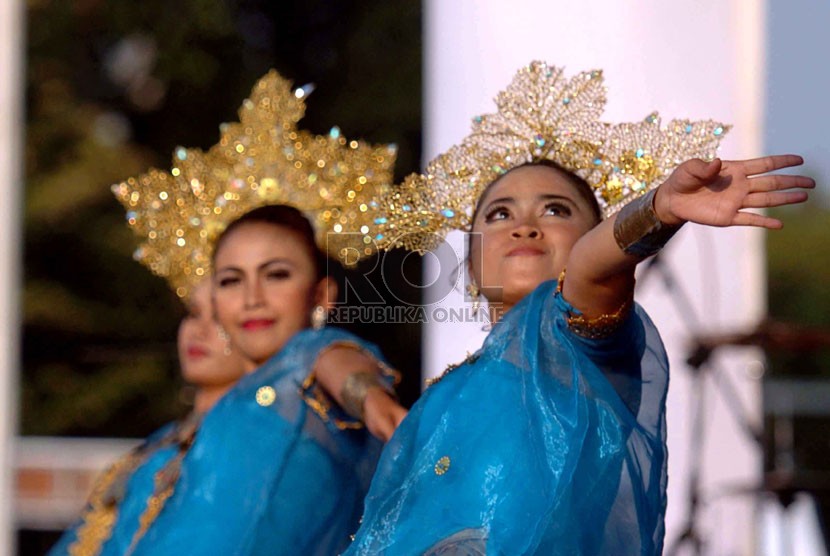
column 262, row 159
column 541, row 115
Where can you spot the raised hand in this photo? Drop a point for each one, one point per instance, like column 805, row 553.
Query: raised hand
column 716, row 193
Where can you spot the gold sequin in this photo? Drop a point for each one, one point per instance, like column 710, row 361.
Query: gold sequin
column 442, row 465
column 262, row 159
column 266, row 396
column 541, row 115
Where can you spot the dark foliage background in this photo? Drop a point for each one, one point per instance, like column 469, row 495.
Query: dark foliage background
column 114, row 87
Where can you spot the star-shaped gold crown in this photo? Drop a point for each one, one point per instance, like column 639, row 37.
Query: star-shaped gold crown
column 262, row 159
column 542, row 115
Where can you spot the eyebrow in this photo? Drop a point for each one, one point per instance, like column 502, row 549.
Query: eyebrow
column 269, row 262
column 543, row 197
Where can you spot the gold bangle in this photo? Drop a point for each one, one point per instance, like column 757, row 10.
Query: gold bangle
column 356, row 388
column 596, row 327
column 638, row 231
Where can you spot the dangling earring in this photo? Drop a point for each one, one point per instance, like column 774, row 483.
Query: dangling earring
column 319, row 316
column 475, row 294
column 223, row 335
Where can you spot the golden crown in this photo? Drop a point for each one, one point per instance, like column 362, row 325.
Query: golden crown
column 262, row 159
column 542, row 115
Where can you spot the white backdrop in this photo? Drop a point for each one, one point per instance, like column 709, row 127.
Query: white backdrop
column 11, row 133
column 687, row 58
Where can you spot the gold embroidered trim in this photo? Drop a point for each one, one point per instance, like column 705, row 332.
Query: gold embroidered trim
column 321, row 403
column 101, row 515
column 596, row 327
column 471, row 358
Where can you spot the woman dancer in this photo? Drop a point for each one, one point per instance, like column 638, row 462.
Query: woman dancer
column 551, row 438
column 110, row 522
column 282, row 463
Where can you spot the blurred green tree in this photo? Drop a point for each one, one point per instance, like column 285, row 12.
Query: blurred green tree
column 112, row 88
column 798, row 260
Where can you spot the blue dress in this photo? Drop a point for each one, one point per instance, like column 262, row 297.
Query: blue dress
column 267, row 474
column 544, row 442
column 111, row 519
column 269, row 471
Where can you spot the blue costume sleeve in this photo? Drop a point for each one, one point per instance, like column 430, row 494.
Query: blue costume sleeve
column 267, row 475
column 544, row 442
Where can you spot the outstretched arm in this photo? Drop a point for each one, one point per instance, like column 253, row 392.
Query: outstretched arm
column 600, row 275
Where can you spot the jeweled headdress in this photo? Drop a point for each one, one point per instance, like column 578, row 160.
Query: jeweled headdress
column 262, row 159
column 542, row 115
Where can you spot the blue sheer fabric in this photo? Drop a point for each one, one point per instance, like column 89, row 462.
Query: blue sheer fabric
column 139, row 487
column 543, row 443
column 260, row 478
column 266, row 478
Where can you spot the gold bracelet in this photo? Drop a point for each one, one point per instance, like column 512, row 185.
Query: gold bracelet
column 355, row 390
column 596, row 327
column 637, row 229
column 320, row 403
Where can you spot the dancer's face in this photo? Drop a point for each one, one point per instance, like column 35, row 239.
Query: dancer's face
column 526, row 224
column 205, row 357
column 265, row 288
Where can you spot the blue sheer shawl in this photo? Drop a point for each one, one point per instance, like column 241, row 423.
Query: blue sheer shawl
column 137, row 489
column 544, row 442
column 265, row 474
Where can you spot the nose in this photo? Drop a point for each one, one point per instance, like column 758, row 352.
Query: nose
column 205, row 325
column 253, row 294
column 526, row 230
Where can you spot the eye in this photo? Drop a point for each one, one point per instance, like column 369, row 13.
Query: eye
column 228, row 281
column 557, row 209
column 278, row 274
column 497, row 213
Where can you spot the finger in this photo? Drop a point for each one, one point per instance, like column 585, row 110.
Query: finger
column 756, row 220
column 382, row 430
column 779, row 182
column 769, row 163
column 702, row 170
column 776, row 199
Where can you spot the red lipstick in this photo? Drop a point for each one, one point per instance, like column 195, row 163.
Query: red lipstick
column 196, row 352
column 257, row 324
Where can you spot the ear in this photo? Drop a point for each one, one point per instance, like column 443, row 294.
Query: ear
column 325, row 293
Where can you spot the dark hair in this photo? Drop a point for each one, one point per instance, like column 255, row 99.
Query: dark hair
column 282, row 216
column 580, row 185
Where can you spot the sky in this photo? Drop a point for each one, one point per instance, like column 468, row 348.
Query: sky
column 798, row 85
